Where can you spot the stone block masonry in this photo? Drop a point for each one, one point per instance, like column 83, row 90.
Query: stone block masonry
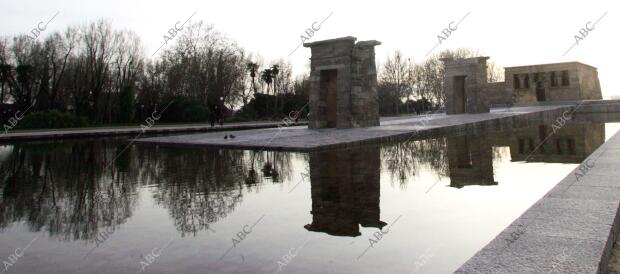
column 343, row 84
column 465, row 84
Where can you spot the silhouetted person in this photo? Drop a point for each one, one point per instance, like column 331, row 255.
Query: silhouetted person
column 214, row 117
column 219, row 112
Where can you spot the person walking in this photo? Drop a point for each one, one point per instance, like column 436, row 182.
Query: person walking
column 213, row 117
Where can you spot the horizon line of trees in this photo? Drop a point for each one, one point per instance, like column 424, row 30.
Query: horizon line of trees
column 96, row 71
column 102, row 75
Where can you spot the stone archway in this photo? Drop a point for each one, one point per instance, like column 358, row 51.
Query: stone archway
column 465, row 81
column 343, row 84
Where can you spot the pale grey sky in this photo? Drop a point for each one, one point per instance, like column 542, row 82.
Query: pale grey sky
column 511, row 33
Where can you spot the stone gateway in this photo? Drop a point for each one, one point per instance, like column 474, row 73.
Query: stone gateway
column 343, row 84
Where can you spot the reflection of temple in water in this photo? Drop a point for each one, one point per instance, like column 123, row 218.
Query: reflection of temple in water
column 470, row 161
column 470, row 157
column 572, row 143
column 345, row 191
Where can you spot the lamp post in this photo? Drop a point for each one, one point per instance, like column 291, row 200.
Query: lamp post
column 221, row 114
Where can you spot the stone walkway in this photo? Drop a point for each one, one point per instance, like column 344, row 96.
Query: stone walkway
column 304, row 139
column 130, row 130
column 570, row 230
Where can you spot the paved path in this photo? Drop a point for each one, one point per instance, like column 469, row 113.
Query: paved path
column 570, row 230
column 130, row 130
column 401, row 128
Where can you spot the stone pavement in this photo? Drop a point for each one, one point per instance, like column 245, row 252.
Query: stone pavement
column 570, row 230
column 129, row 130
column 303, row 139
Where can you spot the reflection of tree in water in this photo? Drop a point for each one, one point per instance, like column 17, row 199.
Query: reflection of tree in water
column 500, row 154
column 200, row 188
column 271, row 165
column 70, row 189
column 197, row 188
column 405, row 159
column 64, row 188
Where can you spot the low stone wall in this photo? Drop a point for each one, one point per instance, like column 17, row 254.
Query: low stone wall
column 497, row 94
column 600, row 106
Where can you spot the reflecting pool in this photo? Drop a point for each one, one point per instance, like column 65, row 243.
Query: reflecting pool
column 424, row 205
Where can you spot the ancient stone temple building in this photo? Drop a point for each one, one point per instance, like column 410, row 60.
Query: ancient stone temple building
column 552, row 82
column 343, row 84
column 465, row 84
column 467, row 89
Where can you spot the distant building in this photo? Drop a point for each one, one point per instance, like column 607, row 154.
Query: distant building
column 552, row 82
column 468, row 91
column 465, row 81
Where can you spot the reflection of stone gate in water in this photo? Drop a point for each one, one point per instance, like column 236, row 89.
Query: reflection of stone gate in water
column 470, row 161
column 345, row 191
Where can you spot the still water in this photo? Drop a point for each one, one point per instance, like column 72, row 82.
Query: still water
column 421, row 206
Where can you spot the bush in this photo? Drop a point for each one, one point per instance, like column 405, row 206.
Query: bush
column 247, row 113
column 183, row 109
column 127, row 105
column 51, row 119
column 262, row 107
column 194, row 113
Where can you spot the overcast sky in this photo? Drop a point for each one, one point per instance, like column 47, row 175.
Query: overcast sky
column 511, row 33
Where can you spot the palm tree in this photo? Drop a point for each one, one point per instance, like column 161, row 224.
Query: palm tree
column 274, row 73
column 267, row 77
column 253, row 69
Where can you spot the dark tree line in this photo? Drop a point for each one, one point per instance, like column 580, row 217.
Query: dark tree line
column 102, row 73
column 79, row 70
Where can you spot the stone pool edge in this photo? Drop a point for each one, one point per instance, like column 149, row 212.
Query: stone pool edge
column 493, row 122
column 57, row 134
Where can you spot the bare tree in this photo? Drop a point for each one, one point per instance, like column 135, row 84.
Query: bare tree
column 430, row 74
column 495, row 73
column 397, row 78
